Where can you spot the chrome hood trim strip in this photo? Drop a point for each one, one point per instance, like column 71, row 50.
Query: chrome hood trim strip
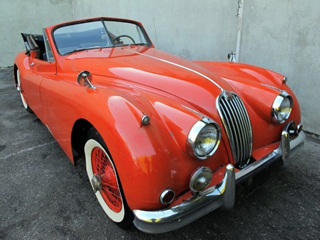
column 177, row 65
column 275, row 88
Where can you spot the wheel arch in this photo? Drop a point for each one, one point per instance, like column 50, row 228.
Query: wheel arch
column 15, row 69
column 79, row 134
column 19, row 63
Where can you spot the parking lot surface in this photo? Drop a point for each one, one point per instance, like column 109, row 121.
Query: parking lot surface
column 43, row 196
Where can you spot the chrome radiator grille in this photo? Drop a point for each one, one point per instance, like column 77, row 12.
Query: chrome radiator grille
column 236, row 122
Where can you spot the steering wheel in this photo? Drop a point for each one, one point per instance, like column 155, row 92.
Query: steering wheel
column 120, row 36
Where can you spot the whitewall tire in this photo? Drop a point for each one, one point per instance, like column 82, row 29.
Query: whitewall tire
column 23, row 98
column 114, row 211
column 105, row 182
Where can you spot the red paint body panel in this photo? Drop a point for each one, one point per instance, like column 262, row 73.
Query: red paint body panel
column 134, row 80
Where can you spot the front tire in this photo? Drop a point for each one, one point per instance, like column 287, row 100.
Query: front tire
column 105, row 182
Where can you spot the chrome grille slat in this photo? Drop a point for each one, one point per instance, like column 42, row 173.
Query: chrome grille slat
column 247, row 124
column 241, row 137
column 230, row 127
column 237, row 139
column 244, row 128
column 236, row 122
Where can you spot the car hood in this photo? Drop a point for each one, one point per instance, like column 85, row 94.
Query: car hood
column 194, row 82
column 153, row 68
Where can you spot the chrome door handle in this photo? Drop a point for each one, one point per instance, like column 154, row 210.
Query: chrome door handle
column 32, row 64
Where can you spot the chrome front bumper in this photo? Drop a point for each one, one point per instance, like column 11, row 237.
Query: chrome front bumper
column 221, row 195
column 286, row 150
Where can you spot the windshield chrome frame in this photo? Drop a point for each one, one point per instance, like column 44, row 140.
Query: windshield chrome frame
column 47, row 46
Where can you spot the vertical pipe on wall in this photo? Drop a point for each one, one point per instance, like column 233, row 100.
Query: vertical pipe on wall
column 239, row 15
column 73, row 11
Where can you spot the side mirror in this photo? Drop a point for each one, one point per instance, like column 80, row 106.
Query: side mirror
column 84, row 79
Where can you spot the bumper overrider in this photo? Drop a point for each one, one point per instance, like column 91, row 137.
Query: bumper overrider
column 219, row 196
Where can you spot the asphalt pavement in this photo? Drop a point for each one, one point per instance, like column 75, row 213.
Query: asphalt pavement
column 43, row 196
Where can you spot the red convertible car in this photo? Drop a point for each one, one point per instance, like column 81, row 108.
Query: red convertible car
column 164, row 140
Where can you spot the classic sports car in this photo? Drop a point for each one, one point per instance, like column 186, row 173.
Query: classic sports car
column 165, row 140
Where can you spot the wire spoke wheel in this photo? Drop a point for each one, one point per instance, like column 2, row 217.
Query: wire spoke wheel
column 110, row 191
column 105, row 181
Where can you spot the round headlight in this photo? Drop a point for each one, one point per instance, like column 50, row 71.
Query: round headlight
column 204, row 138
column 200, row 179
column 281, row 107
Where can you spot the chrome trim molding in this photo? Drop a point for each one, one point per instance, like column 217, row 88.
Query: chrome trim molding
column 276, row 106
column 299, row 128
column 269, row 86
column 194, row 111
column 163, row 195
column 193, row 134
column 286, row 150
column 145, row 120
column 177, row 65
column 161, row 221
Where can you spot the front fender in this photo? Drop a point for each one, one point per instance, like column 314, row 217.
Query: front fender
column 151, row 158
column 148, row 158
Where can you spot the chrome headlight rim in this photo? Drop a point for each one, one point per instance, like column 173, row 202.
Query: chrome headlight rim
column 277, row 105
column 194, row 133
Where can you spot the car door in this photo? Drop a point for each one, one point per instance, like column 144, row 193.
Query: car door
column 42, row 66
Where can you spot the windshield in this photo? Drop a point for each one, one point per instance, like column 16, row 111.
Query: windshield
column 98, row 34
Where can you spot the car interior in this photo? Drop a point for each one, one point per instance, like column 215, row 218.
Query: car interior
column 66, row 42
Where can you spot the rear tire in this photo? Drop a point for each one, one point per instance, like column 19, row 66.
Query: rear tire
column 22, row 95
column 105, row 182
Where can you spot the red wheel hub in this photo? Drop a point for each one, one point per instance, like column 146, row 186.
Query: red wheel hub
column 102, row 167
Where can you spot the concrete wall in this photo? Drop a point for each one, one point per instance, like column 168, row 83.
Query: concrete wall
column 203, row 29
column 285, row 36
column 30, row 16
column 280, row 35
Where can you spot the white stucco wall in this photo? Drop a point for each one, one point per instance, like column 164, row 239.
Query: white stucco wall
column 283, row 36
column 30, row 16
column 203, row 29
